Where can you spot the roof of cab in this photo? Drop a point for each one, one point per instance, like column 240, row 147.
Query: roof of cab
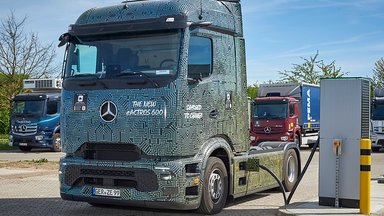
column 225, row 14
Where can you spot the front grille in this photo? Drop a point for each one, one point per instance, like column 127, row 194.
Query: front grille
column 378, row 129
column 141, row 179
column 365, row 111
column 274, row 130
column 109, row 151
column 47, row 83
column 25, row 130
column 94, row 172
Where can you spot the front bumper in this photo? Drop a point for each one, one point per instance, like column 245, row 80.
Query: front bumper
column 145, row 183
column 285, row 137
column 31, row 141
column 377, row 140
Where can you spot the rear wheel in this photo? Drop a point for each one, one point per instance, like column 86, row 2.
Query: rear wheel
column 56, row 143
column 215, row 187
column 290, row 169
column 25, row 148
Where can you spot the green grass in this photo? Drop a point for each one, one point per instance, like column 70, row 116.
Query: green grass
column 38, row 161
column 4, row 140
column 4, row 136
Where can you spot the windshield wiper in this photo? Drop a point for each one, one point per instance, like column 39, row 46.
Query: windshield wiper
column 94, row 83
column 86, row 75
column 269, row 117
column 141, row 74
column 91, row 83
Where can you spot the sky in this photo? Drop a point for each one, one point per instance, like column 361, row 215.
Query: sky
column 278, row 33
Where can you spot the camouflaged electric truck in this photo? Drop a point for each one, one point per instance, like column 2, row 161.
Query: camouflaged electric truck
column 154, row 109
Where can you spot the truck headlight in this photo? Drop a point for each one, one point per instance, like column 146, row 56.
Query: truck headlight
column 165, row 173
column 39, row 137
column 284, row 138
column 10, row 140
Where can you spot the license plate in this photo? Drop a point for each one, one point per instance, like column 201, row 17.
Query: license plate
column 106, row 192
column 23, row 144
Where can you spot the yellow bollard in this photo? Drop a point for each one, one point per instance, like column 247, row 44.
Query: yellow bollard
column 365, row 176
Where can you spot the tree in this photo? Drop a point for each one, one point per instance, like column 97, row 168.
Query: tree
column 378, row 74
column 311, row 71
column 21, row 56
column 252, row 91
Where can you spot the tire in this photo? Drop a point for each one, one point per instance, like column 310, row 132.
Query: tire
column 56, row 144
column 375, row 149
column 25, row 148
column 290, row 169
column 214, row 188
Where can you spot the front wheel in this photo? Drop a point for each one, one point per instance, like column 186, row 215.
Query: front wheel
column 215, row 187
column 290, row 169
column 56, row 143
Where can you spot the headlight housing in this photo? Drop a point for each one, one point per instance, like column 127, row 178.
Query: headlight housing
column 39, row 137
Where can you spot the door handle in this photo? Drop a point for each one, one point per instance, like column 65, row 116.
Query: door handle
column 213, row 113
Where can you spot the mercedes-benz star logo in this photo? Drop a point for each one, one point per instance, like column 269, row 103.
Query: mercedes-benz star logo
column 108, row 111
column 23, row 128
column 267, row 130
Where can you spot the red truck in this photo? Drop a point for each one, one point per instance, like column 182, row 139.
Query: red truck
column 285, row 112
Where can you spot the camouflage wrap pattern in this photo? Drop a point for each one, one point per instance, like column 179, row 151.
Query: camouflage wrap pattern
column 177, row 135
column 255, row 181
column 177, row 185
column 168, row 136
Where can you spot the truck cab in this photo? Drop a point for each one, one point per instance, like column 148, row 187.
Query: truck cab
column 275, row 118
column 35, row 119
column 154, row 108
column 377, row 120
column 285, row 112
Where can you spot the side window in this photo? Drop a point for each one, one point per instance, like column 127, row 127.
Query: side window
column 84, row 60
column 52, row 107
column 200, row 57
column 291, row 110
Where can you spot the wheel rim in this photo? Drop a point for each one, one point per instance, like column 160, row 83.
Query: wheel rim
column 291, row 168
column 57, row 142
column 215, row 185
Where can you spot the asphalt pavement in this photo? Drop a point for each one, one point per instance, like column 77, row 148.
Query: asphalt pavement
column 36, row 192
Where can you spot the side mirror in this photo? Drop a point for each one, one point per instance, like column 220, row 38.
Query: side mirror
column 64, row 38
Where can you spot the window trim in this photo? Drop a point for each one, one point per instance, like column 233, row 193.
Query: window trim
column 293, row 110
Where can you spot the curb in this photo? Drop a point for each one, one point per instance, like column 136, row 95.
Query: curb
column 29, row 174
column 283, row 211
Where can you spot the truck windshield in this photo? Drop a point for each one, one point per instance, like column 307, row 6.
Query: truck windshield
column 28, row 108
column 378, row 112
column 124, row 56
column 270, row 111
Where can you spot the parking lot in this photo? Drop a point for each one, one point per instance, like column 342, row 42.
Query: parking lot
column 39, row 195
